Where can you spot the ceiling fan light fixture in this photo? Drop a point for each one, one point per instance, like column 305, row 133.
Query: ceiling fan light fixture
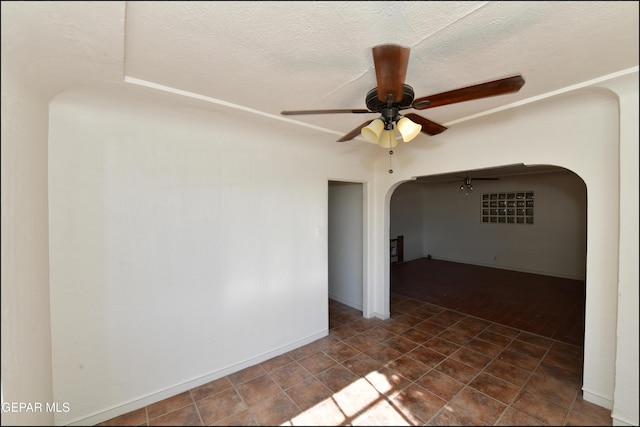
column 372, row 131
column 388, row 139
column 408, row 129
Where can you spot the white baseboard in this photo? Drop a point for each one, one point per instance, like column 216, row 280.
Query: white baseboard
column 617, row 422
column 346, row 302
column 188, row 385
column 381, row 316
column 597, row 399
column 506, row 267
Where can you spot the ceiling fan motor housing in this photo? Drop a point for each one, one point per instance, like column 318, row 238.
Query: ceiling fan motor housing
column 390, row 110
column 374, row 104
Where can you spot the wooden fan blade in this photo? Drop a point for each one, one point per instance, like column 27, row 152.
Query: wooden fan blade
column 428, row 127
column 469, row 93
column 297, row 112
column 390, row 62
column 354, row 132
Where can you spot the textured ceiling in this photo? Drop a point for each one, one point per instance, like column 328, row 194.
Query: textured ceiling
column 272, row 56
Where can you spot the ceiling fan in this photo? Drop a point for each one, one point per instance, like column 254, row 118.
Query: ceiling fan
column 392, row 95
column 467, row 185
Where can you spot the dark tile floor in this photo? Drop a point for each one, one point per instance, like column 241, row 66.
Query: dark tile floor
column 426, row 365
column 544, row 305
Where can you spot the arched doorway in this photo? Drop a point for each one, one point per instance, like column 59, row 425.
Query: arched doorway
column 533, row 266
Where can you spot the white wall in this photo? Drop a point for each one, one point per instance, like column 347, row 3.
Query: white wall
column 26, row 337
column 184, row 246
column 407, row 218
column 345, row 243
column 625, row 404
column 578, row 131
column 554, row 245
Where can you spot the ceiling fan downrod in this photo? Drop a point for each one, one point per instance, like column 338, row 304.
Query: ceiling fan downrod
column 389, row 116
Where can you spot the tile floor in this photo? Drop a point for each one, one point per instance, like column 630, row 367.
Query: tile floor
column 426, row 365
column 544, row 305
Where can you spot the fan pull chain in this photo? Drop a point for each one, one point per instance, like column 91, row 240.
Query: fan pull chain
column 390, row 154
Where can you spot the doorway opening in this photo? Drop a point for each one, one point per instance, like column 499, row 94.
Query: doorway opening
column 345, row 243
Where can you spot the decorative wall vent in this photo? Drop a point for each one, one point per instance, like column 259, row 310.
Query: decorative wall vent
column 508, row 208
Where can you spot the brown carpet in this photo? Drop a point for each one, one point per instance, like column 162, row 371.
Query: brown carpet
column 544, row 305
